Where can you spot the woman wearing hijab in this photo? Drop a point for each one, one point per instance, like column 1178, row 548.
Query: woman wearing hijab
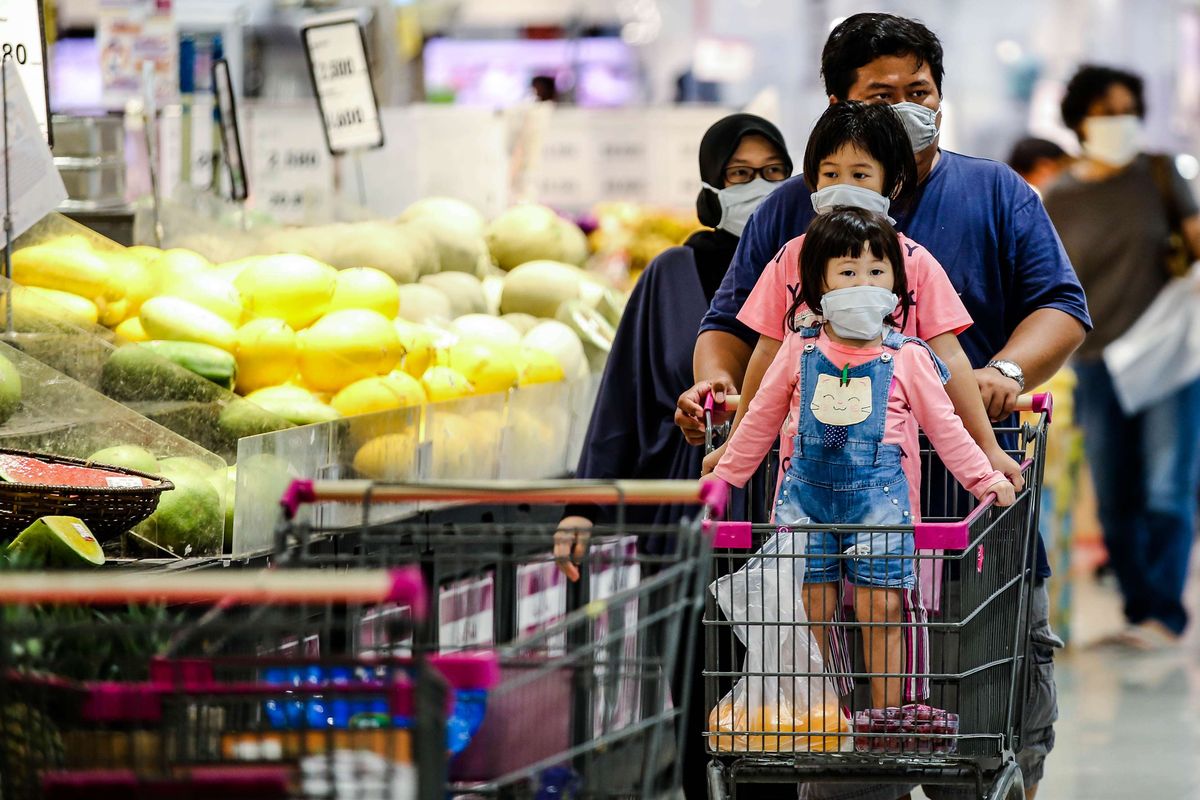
column 632, row 432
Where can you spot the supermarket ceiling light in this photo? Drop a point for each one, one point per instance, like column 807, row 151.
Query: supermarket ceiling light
column 722, row 60
column 1188, row 166
column 641, row 21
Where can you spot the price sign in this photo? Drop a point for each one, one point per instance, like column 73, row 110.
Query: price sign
column 292, row 174
column 341, row 78
column 231, row 140
column 23, row 41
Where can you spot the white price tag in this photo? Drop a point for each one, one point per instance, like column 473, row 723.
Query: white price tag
column 23, row 41
column 341, row 76
column 291, row 172
column 125, row 482
column 34, row 186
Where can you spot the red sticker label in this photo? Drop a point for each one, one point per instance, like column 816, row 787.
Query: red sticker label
column 979, row 558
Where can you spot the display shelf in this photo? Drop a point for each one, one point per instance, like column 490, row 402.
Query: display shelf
column 60, row 416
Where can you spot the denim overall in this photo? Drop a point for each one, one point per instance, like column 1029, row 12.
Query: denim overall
column 849, row 476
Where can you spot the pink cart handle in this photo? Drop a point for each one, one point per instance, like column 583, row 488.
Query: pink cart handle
column 1040, row 403
column 243, row 587
column 714, row 493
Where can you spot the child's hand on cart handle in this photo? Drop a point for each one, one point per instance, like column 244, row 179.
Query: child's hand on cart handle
column 1003, row 462
column 570, row 545
column 1006, row 493
column 711, row 460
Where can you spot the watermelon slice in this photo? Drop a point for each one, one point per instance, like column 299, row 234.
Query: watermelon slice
column 27, row 469
column 59, row 542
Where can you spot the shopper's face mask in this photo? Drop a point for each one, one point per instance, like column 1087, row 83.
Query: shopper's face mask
column 1112, row 140
column 739, row 201
column 846, row 194
column 920, row 123
column 858, row 312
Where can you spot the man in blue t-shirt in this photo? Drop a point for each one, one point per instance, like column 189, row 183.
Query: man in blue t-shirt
column 998, row 247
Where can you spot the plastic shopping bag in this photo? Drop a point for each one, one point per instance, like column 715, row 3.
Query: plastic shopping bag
column 784, row 692
column 1161, row 352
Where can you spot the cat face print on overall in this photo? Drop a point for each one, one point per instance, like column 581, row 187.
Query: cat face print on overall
column 835, row 403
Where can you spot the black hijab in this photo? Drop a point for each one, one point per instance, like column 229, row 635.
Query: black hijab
column 714, row 248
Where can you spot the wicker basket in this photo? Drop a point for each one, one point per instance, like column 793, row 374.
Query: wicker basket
column 108, row 512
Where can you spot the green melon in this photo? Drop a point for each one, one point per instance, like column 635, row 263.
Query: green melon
column 129, row 456
column 10, row 389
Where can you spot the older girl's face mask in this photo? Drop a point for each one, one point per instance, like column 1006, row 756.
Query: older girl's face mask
column 847, row 194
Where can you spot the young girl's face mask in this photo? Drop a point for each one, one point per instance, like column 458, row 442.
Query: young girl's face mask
column 858, row 312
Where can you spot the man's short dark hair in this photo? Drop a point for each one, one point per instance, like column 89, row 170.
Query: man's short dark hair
column 862, row 38
column 1091, row 83
column 1027, row 152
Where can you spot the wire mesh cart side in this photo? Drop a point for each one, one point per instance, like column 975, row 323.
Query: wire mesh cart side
column 906, row 668
column 594, row 672
column 230, row 683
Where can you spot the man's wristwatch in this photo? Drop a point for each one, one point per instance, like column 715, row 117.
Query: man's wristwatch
column 1011, row 370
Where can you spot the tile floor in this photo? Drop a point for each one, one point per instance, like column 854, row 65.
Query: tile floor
column 1129, row 724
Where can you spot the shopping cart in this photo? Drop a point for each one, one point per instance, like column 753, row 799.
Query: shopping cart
column 219, row 684
column 794, row 700
column 594, row 673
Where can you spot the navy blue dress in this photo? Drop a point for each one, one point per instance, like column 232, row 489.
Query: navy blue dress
column 632, row 433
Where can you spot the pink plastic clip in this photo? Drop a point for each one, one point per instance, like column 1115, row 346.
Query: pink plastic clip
column 297, row 494
column 122, row 702
column 731, row 535
column 468, row 670
column 408, row 588
column 714, row 494
column 1043, row 403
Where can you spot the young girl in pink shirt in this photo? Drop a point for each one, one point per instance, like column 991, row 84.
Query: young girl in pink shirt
column 858, row 389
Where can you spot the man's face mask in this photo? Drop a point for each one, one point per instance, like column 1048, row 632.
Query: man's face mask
column 920, row 123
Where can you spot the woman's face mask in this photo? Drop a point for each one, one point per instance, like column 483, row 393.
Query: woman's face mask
column 1112, row 140
column 920, row 123
column 858, row 312
column 739, row 201
column 845, row 194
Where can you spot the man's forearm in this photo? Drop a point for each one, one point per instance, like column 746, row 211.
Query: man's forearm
column 720, row 355
column 1042, row 343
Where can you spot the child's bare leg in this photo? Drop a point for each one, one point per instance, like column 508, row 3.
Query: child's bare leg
column 883, row 645
column 820, row 603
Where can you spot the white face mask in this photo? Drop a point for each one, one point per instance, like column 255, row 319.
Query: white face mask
column 858, row 311
column 739, row 201
column 1112, row 140
column 920, row 123
column 845, row 194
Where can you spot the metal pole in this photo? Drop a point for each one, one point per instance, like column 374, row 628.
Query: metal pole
column 8, row 223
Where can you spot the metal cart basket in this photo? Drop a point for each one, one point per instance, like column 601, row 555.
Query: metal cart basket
column 222, row 683
column 593, row 673
column 917, row 684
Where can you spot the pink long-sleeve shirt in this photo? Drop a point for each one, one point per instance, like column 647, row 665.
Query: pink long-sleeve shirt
column 916, row 398
column 936, row 308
